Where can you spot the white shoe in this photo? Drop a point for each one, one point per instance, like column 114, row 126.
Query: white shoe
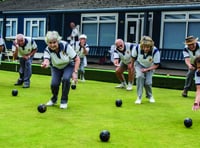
column 50, row 103
column 151, row 99
column 138, row 101
column 63, row 105
column 83, row 79
column 122, row 85
column 129, row 87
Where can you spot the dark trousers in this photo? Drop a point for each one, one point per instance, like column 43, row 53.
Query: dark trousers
column 61, row 75
column 189, row 79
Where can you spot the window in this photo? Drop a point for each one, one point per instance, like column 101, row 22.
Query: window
column 101, row 29
column 11, row 27
column 176, row 26
column 35, row 27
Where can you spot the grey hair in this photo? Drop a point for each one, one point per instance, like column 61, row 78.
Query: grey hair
column 52, row 35
column 19, row 36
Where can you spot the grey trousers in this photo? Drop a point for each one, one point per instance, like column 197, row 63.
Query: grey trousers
column 25, row 70
column 143, row 80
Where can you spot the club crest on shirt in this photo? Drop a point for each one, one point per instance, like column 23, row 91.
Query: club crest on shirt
column 127, row 52
column 150, row 59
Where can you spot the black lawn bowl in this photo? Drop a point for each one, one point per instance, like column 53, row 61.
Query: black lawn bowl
column 188, row 122
column 14, row 92
column 104, row 135
column 42, row 108
column 73, row 86
column 118, row 102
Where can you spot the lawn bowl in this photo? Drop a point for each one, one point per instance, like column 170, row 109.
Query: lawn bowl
column 42, row 108
column 14, row 92
column 73, row 86
column 188, row 122
column 104, row 135
column 118, row 102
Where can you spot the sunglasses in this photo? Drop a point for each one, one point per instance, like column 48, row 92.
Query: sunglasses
column 119, row 46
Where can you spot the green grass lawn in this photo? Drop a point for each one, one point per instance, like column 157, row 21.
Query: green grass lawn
column 91, row 109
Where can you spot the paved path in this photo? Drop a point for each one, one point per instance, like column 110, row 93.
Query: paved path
column 172, row 72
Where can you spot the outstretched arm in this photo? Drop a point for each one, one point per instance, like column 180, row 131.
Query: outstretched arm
column 76, row 67
column 45, row 63
column 197, row 98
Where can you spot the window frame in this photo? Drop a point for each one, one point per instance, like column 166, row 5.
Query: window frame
column 31, row 20
column 139, row 19
column 16, row 29
column 185, row 20
column 98, row 21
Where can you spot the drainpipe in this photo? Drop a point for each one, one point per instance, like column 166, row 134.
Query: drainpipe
column 146, row 23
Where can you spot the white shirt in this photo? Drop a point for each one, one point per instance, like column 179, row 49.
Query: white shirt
column 187, row 53
column 1, row 41
column 61, row 59
column 79, row 50
column 29, row 46
column 146, row 59
column 124, row 56
column 74, row 35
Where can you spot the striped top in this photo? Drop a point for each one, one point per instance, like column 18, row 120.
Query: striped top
column 65, row 55
column 28, row 47
column 146, row 59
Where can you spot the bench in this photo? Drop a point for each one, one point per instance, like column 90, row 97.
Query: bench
column 172, row 54
column 98, row 54
column 38, row 55
column 9, row 55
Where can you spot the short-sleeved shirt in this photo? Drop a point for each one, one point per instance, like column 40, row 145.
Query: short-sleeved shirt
column 79, row 50
column 75, row 32
column 1, row 42
column 125, row 55
column 28, row 47
column 197, row 77
column 61, row 59
column 74, row 35
column 146, row 59
column 187, row 53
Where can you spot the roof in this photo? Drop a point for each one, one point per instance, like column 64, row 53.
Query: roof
column 36, row 5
